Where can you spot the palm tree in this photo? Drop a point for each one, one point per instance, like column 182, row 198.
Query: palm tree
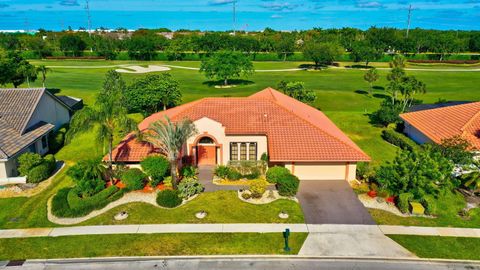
column 170, row 138
column 109, row 114
column 44, row 70
column 471, row 181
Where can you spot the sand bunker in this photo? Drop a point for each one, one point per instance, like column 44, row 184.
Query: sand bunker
column 139, row 69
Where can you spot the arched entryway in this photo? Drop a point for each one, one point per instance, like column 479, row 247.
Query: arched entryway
column 206, row 151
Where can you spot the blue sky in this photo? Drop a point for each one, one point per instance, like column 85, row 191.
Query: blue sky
column 252, row 14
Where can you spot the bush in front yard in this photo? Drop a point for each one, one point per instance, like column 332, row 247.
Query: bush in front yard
column 157, row 167
column 169, row 198
column 288, row 185
column 276, row 173
column 403, row 202
column 234, row 175
column 28, row 161
column 399, row 140
column 51, row 161
column 134, row 179
column 38, row 173
column 188, row 187
column 430, row 204
column 222, row 171
column 258, row 187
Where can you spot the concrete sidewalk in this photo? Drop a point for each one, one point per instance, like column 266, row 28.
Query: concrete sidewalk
column 235, row 228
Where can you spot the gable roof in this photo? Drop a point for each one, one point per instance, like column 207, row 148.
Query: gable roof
column 294, row 130
column 17, row 106
column 443, row 123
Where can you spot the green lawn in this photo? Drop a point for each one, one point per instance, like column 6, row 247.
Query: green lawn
column 221, row 206
column 447, row 215
column 338, row 96
column 148, row 245
column 459, row 248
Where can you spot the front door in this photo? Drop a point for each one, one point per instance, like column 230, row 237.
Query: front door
column 207, row 155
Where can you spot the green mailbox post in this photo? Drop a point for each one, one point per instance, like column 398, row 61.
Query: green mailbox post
column 286, row 234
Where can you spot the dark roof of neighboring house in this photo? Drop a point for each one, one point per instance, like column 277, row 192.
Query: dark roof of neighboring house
column 295, row 131
column 421, row 107
column 72, row 102
column 16, row 108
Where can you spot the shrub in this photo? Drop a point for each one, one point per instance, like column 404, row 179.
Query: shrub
column 222, row 171
column 87, row 169
column 169, row 198
column 430, row 204
column 157, row 167
column 167, row 181
column 28, row 161
column 39, row 173
column 234, row 175
column 264, row 157
column 246, row 195
column 51, row 161
column 88, row 187
column 387, row 114
column 258, row 187
column 134, row 179
column 67, row 203
column 275, row 173
column 288, row 185
column 246, row 167
column 254, row 174
column 398, row 139
column 188, row 187
column 56, row 139
column 403, row 202
column 189, row 171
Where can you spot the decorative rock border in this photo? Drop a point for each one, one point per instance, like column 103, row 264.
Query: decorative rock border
column 369, row 202
column 131, row 197
column 266, row 198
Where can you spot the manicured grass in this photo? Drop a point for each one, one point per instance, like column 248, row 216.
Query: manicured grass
column 459, row 248
column 447, row 215
column 147, row 245
column 221, row 207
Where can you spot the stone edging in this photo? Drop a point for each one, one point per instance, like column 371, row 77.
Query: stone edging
column 131, row 197
column 265, row 198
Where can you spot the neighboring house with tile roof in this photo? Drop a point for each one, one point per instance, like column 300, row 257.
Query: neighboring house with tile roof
column 27, row 115
column 292, row 133
column 436, row 125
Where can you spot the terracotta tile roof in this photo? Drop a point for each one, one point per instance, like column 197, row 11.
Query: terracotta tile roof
column 294, row 130
column 443, row 123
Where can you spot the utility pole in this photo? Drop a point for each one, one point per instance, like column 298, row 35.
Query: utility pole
column 89, row 18
column 409, row 19
column 234, row 16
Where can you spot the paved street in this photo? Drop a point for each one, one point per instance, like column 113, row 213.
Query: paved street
column 225, row 263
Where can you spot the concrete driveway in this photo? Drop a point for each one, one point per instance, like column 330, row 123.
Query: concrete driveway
column 331, row 202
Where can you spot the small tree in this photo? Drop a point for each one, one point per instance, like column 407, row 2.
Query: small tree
column 298, row 91
column 364, row 51
column 152, row 93
column 43, row 70
column 72, row 43
column 322, row 53
column 225, row 65
column 371, row 76
column 170, row 138
column 457, row 149
column 109, row 113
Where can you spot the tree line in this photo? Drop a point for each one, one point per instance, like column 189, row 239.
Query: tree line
column 144, row 44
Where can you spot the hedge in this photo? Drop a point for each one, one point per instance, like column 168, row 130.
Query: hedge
column 157, row 167
column 134, row 179
column 430, row 204
column 288, row 185
column 56, row 139
column 399, row 140
column 67, row 203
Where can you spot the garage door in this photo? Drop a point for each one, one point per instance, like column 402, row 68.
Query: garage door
column 320, row 171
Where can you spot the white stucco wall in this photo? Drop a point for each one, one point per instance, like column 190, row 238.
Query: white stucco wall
column 209, row 127
column 8, row 168
column 51, row 111
column 323, row 171
column 415, row 134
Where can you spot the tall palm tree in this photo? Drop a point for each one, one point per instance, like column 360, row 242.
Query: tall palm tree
column 170, row 138
column 109, row 114
column 43, row 70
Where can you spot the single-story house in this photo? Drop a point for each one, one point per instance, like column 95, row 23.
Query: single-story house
column 27, row 115
column 293, row 134
column 438, row 124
